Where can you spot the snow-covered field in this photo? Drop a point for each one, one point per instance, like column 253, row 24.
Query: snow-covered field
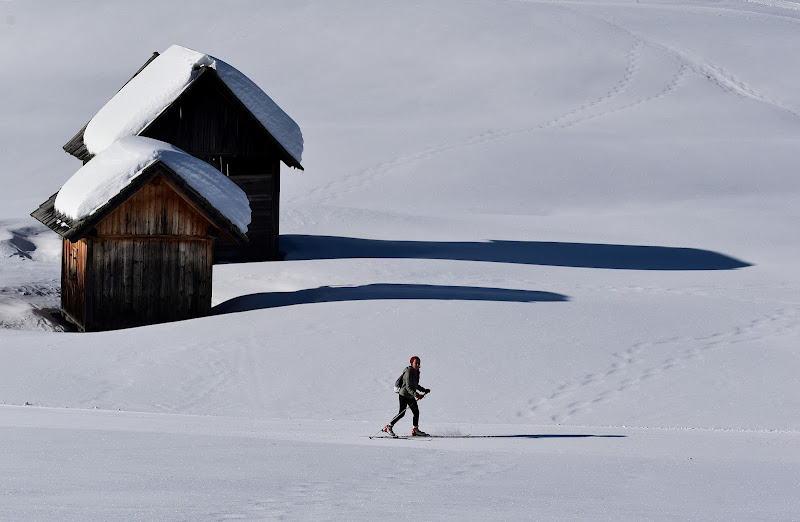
column 581, row 215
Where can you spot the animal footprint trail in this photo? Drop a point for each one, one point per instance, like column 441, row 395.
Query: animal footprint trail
column 619, row 98
column 642, row 363
column 717, row 74
column 575, row 116
column 590, row 110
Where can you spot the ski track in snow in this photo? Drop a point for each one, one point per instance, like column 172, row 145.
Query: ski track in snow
column 212, row 375
column 320, row 492
column 783, row 4
column 633, row 367
column 256, row 388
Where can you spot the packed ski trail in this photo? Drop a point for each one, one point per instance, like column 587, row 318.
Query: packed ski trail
column 173, row 462
column 580, row 214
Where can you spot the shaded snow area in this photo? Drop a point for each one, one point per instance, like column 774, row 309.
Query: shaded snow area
column 159, row 84
column 97, row 182
column 581, row 216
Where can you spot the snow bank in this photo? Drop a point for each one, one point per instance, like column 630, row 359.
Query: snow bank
column 16, row 314
column 150, row 92
column 123, row 161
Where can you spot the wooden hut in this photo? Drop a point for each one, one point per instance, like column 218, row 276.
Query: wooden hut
column 141, row 250
column 212, row 111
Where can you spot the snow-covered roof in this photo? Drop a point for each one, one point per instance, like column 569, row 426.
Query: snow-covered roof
column 116, row 167
column 160, row 83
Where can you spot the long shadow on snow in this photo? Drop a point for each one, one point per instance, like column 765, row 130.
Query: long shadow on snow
column 327, row 294
column 579, row 255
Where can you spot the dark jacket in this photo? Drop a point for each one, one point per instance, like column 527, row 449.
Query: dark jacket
column 410, row 383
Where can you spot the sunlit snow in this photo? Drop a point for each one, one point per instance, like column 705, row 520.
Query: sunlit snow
column 581, row 216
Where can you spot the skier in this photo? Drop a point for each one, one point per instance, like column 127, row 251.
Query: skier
column 408, row 388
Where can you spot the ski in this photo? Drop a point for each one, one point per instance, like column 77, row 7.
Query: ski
column 403, row 437
column 428, row 437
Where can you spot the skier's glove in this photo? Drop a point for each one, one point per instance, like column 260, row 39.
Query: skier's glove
column 419, row 396
column 427, row 390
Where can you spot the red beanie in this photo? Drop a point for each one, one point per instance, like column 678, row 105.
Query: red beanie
column 412, row 359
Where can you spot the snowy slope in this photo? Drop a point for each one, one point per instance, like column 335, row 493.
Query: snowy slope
column 580, row 215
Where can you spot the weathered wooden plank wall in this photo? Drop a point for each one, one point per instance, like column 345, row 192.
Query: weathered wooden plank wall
column 149, row 261
column 73, row 279
column 155, row 210
column 263, row 194
column 141, row 281
column 208, row 123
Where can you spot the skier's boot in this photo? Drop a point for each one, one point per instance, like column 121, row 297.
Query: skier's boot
column 416, row 432
column 388, row 429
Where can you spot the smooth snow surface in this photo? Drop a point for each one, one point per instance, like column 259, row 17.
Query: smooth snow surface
column 151, row 91
column 116, row 167
column 581, row 215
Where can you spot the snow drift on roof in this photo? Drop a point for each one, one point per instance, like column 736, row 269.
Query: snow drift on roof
column 151, row 91
column 97, row 182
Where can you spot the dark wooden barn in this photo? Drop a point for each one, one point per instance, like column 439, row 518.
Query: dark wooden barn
column 144, row 257
column 210, row 120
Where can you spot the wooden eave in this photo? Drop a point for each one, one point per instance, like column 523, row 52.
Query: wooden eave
column 46, row 214
column 77, row 147
column 76, row 229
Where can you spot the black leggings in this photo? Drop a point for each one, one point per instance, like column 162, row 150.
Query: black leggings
column 411, row 403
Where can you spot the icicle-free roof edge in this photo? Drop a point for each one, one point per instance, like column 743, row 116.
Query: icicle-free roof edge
column 114, row 169
column 162, row 81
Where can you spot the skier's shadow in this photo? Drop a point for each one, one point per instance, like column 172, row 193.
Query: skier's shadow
column 536, row 436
